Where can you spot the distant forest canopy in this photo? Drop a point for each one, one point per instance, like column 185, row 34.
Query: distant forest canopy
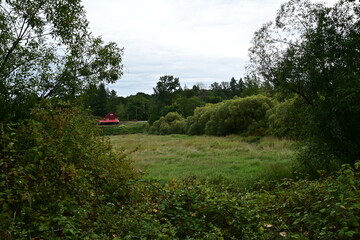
column 169, row 96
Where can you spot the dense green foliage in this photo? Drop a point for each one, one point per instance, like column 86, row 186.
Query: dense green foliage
column 239, row 115
column 58, row 177
column 169, row 97
column 136, row 107
column 172, row 123
column 310, row 50
column 285, row 119
column 100, row 100
column 184, row 105
column 46, row 51
column 323, row 209
column 163, row 96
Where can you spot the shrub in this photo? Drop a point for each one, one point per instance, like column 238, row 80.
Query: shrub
column 287, row 119
column 237, row 116
column 56, row 176
column 172, row 123
column 324, row 209
column 313, row 158
column 195, row 125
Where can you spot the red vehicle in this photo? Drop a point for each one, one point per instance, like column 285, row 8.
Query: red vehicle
column 110, row 119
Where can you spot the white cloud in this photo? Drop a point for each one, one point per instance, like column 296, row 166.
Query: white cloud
column 195, row 40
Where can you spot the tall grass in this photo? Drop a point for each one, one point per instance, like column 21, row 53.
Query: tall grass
column 232, row 159
column 124, row 128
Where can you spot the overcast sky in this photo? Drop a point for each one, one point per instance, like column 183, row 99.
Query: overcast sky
column 199, row 41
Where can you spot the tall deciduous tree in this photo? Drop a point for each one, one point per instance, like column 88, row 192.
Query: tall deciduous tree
column 137, row 107
column 100, row 109
column 46, row 50
column 313, row 51
column 163, row 95
column 166, row 85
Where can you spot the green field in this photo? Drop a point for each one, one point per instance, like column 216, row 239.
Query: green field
column 231, row 159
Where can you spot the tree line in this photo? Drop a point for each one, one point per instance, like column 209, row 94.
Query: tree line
column 168, row 96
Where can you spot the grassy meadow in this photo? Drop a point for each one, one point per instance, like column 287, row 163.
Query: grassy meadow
column 231, row 159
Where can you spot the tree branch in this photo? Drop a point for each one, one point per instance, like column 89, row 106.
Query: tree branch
column 15, row 44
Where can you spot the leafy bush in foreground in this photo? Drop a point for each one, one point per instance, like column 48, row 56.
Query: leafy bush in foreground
column 325, row 209
column 57, row 177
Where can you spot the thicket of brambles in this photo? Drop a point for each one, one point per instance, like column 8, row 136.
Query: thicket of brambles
column 60, row 179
